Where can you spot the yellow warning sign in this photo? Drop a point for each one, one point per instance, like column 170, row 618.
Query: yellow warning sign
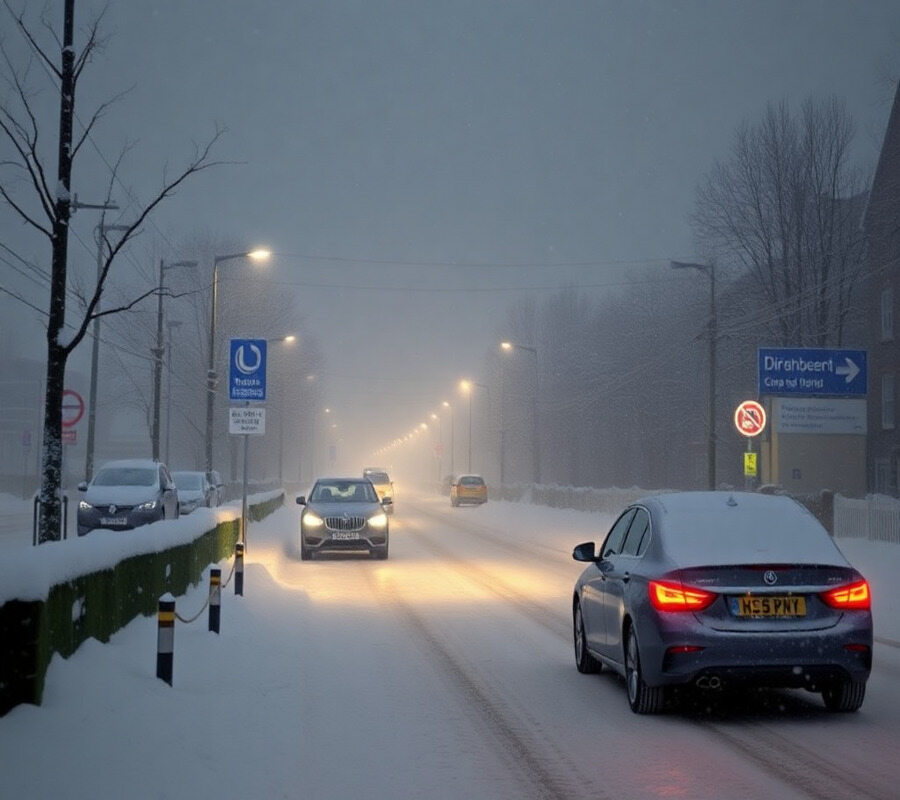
column 750, row 465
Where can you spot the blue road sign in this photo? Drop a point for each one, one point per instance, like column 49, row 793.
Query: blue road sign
column 812, row 371
column 247, row 370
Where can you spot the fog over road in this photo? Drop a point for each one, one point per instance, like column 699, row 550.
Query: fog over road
column 444, row 672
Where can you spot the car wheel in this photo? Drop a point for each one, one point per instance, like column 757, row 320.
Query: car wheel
column 584, row 661
column 305, row 553
column 845, row 695
column 642, row 699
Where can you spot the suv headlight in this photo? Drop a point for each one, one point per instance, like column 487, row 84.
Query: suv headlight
column 84, row 505
column 379, row 520
column 311, row 520
column 148, row 506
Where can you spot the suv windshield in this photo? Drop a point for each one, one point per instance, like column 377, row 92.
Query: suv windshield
column 126, row 476
column 344, row 492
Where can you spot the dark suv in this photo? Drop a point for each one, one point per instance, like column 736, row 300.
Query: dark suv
column 127, row 494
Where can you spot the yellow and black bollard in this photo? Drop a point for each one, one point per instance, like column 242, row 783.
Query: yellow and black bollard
column 239, row 569
column 215, row 598
column 165, row 637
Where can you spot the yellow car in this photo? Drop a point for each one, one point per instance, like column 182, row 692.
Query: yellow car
column 468, row 489
column 384, row 487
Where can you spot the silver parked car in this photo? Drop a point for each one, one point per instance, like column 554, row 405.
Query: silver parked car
column 720, row 589
column 126, row 494
column 194, row 490
column 344, row 514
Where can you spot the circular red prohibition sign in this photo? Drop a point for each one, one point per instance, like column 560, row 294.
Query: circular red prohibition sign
column 72, row 408
column 750, row 418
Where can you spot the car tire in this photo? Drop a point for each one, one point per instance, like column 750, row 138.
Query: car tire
column 845, row 695
column 642, row 699
column 584, row 661
column 305, row 553
column 454, row 503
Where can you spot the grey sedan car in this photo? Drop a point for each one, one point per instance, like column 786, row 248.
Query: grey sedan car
column 717, row 589
column 343, row 514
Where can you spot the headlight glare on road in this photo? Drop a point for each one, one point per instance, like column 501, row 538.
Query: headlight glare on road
column 311, row 520
column 378, row 521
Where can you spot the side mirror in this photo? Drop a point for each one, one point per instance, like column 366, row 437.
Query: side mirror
column 584, row 552
column 387, row 501
column 301, row 500
column 82, row 487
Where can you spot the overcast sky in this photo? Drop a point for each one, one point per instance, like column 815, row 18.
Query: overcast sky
column 455, row 132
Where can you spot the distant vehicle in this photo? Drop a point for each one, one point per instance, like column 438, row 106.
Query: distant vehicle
column 343, row 514
column 127, row 494
column 215, row 480
column 194, row 491
column 384, row 486
column 468, row 489
column 721, row 589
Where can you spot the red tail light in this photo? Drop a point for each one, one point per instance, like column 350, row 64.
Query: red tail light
column 667, row 596
column 851, row 596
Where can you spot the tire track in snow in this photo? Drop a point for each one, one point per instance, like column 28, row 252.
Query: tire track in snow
column 550, row 776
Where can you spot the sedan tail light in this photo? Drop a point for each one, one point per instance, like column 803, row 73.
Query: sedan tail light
column 850, row 596
column 668, row 596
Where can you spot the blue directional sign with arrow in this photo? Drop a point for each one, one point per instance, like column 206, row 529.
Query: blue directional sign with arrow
column 247, row 370
column 812, row 371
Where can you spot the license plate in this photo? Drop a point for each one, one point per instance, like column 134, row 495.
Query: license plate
column 769, row 606
column 344, row 535
column 113, row 521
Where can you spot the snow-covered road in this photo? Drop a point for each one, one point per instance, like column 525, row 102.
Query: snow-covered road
column 445, row 672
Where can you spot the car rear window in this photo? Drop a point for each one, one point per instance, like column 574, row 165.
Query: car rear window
column 471, row 480
column 378, row 477
column 750, row 532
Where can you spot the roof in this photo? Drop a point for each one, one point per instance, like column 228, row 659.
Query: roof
column 147, row 463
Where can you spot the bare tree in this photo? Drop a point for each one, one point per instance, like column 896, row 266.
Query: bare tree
column 786, row 206
column 46, row 208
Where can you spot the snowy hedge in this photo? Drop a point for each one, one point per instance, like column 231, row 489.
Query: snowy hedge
column 56, row 596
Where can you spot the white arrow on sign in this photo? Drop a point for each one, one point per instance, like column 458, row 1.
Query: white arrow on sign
column 851, row 370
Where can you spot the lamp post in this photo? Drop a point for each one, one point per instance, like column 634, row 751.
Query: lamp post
column 466, row 387
column 449, row 408
column 158, row 352
column 255, row 255
column 289, row 339
column 95, row 354
column 712, row 331
column 508, row 347
column 440, row 448
column 171, row 325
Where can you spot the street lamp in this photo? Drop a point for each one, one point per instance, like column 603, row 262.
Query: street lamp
column 712, row 327
column 440, row 448
column 100, row 231
column 508, row 347
column 159, row 350
column 255, row 255
column 289, row 339
column 171, row 325
column 466, row 387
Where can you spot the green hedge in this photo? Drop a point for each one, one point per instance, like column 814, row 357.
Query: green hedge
column 32, row 631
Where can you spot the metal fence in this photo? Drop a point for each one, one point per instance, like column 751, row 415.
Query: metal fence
column 876, row 518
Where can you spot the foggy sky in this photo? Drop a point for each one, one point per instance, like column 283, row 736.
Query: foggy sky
column 461, row 132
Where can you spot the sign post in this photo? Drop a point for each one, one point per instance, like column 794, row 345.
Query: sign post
column 750, row 420
column 246, row 382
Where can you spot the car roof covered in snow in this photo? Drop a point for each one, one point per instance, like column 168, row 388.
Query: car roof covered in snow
column 721, row 528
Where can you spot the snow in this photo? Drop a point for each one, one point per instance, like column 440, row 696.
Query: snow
column 27, row 573
column 313, row 689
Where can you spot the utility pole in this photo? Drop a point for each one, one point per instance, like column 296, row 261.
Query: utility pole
column 170, row 326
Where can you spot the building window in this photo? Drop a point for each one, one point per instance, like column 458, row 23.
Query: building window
column 887, row 314
column 887, row 402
